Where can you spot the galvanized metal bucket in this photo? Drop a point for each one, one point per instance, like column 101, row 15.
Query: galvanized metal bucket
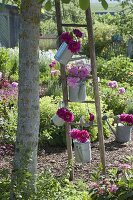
column 57, row 120
column 82, row 152
column 77, row 93
column 123, row 133
column 63, row 54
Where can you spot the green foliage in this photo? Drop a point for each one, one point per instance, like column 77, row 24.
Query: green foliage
column 115, row 101
column 55, row 135
column 118, row 68
column 102, row 35
column 8, row 125
column 4, row 60
column 9, row 62
column 118, row 183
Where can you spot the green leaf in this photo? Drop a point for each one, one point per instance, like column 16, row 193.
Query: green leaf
column 84, row 4
column 104, row 4
column 48, row 5
column 66, row 1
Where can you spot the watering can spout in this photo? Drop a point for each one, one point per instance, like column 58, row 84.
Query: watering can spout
column 105, row 118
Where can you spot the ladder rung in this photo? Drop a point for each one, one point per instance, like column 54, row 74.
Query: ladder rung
column 78, row 123
column 82, row 101
column 75, row 25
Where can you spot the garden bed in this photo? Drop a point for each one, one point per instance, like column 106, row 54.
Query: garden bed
column 55, row 158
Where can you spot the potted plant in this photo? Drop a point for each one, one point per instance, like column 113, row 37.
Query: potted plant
column 76, row 77
column 71, row 44
column 62, row 115
column 82, row 145
column 87, row 120
column 124, row 128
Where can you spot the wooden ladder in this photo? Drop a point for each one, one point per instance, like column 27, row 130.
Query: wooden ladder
column 88, row 25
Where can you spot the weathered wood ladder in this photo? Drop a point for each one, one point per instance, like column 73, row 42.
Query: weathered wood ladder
column 95, row 83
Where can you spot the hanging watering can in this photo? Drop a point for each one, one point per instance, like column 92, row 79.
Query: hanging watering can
column 122, row 133
column 82, row 151
column 77, row 93
column 57, row 120
column 63, row 54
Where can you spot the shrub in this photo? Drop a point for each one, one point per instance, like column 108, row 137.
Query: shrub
column 118, row 68
column 113, row 99
column 5, row 63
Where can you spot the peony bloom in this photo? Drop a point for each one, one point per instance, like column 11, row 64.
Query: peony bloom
column 73, row 81
column 91, row 117
column 55, row 72
column 113, row 188
column 74, row 71
column 84, row 73
column 78, row 33
column 127, row 118
column 74, row 133
column 65, row 114
column 68, row 116
column 113, row 84
column 121, row 90
column 74, row 46
column 14, row 84
column 83, row 136
column 66, row 37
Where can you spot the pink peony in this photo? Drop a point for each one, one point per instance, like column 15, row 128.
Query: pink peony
column 83, row 136
column 84, row 73
column 91, row 117
column 65, row 114
column 127, row 118
column 73, row 81
column 113, row 84
column 78, row 33
column 55, row 72
column 14, row 84
column 74, row 71
column 68, row 116
column 121, row 90
column 74, row 46
column 66, row 37
column 80, row 136
column 74, row 133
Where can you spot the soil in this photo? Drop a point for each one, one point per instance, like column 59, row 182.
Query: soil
column 55, row 158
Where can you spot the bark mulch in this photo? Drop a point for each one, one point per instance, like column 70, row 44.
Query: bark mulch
column 55, row 159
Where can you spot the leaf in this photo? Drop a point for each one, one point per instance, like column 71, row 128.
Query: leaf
column 48, row 5
column 104, row 4
column 84, row 4
column 40, row 1
column 66, row 1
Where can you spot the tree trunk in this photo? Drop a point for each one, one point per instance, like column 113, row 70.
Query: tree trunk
column 25, row 160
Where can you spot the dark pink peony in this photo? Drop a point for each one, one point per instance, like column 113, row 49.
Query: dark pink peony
column 83, row 136
column 65, row 114
column 74, row 46
column 66, row 37
column 78, row 33
column 74, row 133
column 127, row 118
column 91, row 117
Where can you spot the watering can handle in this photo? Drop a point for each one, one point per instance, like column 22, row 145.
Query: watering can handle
column 105, row 118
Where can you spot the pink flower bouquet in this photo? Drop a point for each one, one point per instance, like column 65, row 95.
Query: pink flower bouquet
column 65, row 114
column 81, row 136
column 126, row 118
column 73, row 40
column 77, row 73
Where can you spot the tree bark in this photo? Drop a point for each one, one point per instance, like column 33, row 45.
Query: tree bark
column 25, row 159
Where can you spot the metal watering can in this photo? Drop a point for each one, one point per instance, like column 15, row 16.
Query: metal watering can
column 122, row 133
